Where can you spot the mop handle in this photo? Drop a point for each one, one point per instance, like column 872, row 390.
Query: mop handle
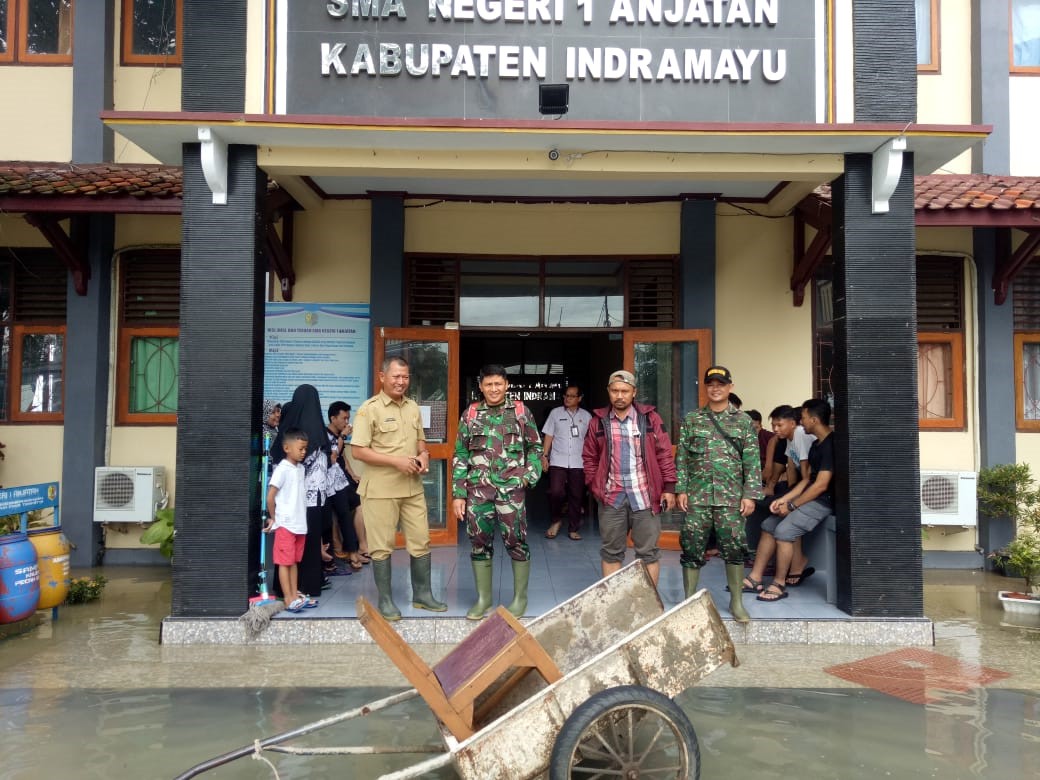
column 264, row 461
column 263, row 510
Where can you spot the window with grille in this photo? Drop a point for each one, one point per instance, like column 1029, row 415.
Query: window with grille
column 33, row 291
column 927, row 17
column 1025, row 36
column 1026, row 302
column 940, row 340
column 152, row 31
column 149, row 312
column 940, row 343
column 36, row 31
column 541, row 293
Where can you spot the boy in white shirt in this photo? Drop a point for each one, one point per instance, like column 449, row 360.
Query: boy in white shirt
column 287, row 517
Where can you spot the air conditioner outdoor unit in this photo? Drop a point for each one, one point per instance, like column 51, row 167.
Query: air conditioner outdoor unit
column 948, row 498
column 128, row 494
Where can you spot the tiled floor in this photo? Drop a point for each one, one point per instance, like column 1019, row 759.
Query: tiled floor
column 560, row 568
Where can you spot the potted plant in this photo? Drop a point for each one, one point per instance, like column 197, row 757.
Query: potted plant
column 1009, row 490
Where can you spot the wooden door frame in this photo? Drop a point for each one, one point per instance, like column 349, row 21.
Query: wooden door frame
column 448, row 536
column 703, row 337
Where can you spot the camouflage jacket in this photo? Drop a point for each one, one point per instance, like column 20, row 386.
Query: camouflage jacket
column 709, row 468
column 497, row 447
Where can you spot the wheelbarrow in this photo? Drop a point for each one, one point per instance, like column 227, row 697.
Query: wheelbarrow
column 584, row 690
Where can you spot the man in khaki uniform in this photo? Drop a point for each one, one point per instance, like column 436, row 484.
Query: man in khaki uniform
column 389, row 440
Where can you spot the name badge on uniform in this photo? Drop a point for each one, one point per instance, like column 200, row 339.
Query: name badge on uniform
column 574, row 431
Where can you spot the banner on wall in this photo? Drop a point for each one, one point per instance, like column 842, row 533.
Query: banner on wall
column 320, row 344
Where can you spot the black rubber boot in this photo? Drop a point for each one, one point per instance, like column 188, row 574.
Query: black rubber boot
column 690, row 579
column 521, row 576
column 381, row 571
column 422, row 592
column 482, row 574
column 735, row 578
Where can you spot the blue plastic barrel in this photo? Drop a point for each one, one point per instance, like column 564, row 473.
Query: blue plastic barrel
column 19, row 578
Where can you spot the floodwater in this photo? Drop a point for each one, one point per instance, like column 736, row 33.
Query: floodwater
column 93, row 695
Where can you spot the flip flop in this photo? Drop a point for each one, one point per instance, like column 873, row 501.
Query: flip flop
column 772, row 594
column 553, row 531
column 754, row 587
column 801, row 577
column 575, row 536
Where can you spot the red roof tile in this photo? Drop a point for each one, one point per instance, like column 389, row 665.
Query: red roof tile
column 52, row 180
column 977, row 191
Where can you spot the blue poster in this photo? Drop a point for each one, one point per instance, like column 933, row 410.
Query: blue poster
column 320, row 344
column 14, row 501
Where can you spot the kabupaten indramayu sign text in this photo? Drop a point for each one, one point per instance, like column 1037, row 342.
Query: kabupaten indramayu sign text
column 697, row 19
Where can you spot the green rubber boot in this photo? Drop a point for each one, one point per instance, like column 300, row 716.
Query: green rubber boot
column 521, row 575
column 381, row 572
column 735, row 579
column 422, row 592
column 690, row 578
column 482, row 577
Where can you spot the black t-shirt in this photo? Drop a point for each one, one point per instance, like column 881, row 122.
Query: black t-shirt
column 780, row 452
column 821, row 458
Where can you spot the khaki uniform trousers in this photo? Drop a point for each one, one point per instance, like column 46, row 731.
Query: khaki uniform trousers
column 382, row 516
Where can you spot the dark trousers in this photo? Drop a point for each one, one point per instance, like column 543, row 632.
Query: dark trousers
column 310, row 569
column 567, row 487
column 342, row 512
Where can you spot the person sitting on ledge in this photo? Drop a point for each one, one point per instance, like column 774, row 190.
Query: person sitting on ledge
column 798, row 511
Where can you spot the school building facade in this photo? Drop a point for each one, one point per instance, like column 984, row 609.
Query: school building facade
column 829, row 198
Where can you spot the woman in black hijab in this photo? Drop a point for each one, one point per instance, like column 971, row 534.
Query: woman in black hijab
column 304, row 413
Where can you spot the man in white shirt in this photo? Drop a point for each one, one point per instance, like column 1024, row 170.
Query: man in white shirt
column 564, row 436
column 798, row 451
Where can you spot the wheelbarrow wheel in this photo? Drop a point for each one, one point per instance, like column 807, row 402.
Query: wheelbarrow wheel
column 627, row 732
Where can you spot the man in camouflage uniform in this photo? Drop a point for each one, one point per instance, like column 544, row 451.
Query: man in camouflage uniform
column 718, row 479
column 497, row 457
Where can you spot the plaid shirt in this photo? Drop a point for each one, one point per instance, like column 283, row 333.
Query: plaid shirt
column 627, row 473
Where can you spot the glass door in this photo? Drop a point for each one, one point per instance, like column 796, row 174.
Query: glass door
column 433, row 359
column 668, row 365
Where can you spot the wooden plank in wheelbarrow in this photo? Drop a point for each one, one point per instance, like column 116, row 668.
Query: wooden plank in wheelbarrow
column 499, row 644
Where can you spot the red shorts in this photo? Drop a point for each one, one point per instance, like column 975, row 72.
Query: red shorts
column 288, row 547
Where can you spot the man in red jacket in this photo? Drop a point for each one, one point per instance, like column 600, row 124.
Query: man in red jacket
column 630, row 470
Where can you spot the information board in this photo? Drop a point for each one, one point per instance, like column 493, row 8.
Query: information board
column 320, row 344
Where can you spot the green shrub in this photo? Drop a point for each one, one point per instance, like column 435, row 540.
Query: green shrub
column 1008, row 490
column 84, row 589
column 161, row 532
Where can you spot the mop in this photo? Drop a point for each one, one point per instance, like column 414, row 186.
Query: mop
column 263, row 606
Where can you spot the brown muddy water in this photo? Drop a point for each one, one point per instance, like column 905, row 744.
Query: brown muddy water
column 93, row 695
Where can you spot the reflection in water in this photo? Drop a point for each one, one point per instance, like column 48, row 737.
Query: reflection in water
column 855, row 733
column 145, row 734
column 777, row 733
column 93, row 695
